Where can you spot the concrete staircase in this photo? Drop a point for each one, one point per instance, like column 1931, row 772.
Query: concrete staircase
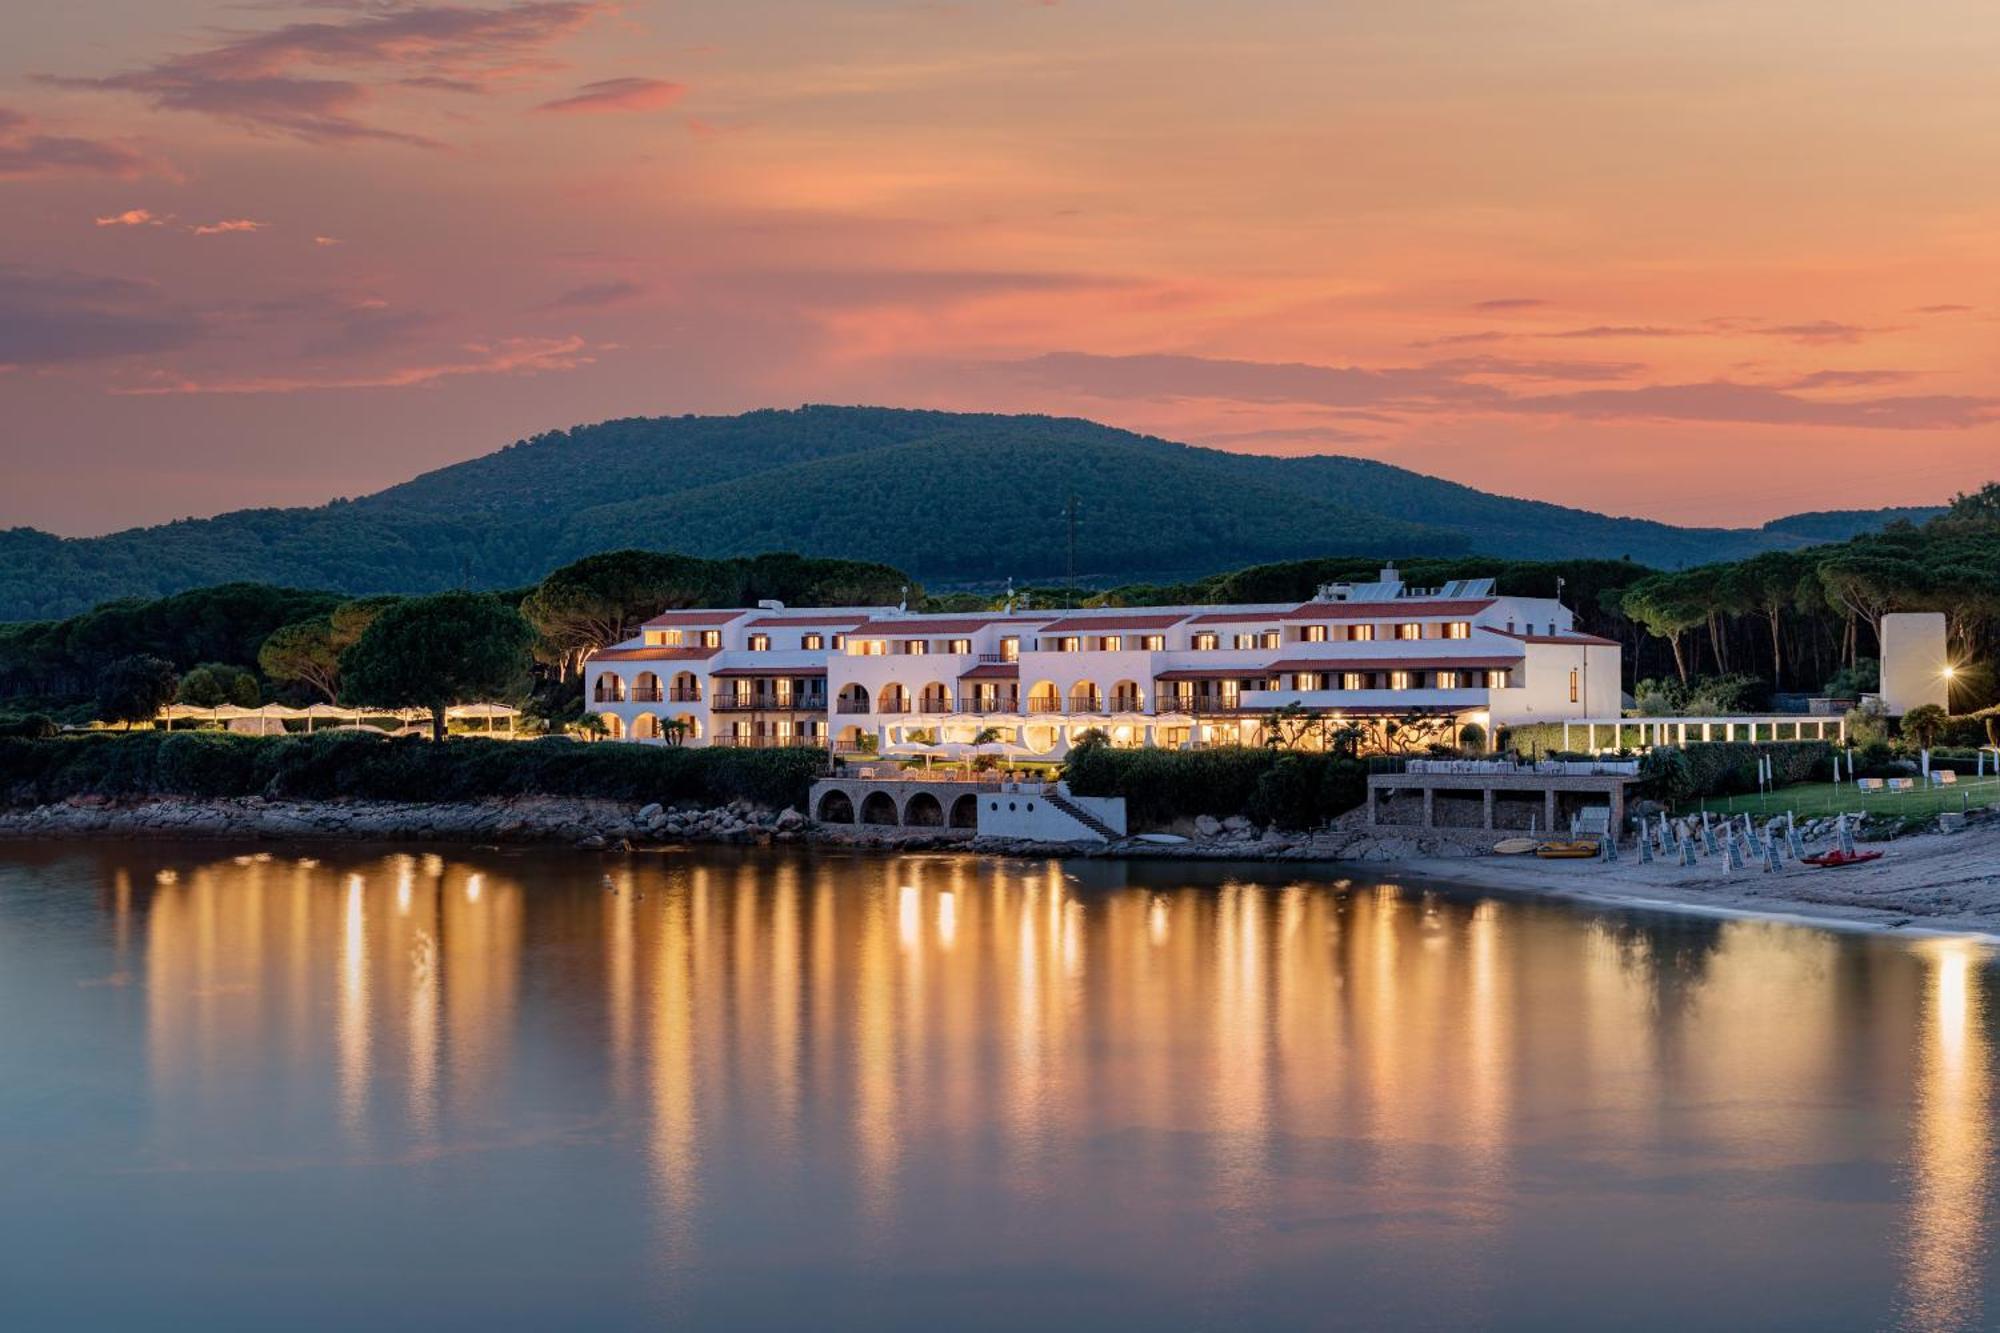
column 1081, row 815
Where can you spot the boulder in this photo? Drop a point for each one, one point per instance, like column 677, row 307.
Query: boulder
column 1207, row 826
column 1236, row 824
column 650, row 812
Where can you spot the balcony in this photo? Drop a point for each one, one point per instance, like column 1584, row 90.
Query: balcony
column 729, row 742
column 768, row 703
column 685, row 694
column 648, row 694
column 851, row 707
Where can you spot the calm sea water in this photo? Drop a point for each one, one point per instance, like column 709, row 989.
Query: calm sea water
column 502, row 1090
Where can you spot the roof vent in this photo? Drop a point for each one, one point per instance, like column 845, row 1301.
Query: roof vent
column 770, row 604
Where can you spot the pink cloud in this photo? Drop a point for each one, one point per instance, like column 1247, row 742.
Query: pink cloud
column 264, row 80
column 26, row 153
column 618, row 95
column 1820, row 331
column 1510, row 303
column 131, row 217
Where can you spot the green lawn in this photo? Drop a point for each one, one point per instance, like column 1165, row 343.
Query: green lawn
column 1807, row 799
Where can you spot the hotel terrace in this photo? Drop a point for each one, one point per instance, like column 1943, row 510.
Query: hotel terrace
column 877, row 678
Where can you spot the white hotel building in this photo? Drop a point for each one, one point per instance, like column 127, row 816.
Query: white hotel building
column 1169, row 676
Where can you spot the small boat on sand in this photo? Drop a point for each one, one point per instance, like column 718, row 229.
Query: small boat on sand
column 1515, row 846
column 1835, row 859
column 1567, row 851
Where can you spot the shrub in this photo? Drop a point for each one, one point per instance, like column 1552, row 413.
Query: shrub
column 1722, row 768
column 1472, row 737
column 1925, row 724
column 369, row 766
column 28, row 726
column 1290, row 789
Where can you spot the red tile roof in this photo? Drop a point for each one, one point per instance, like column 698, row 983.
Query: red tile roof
column 993, row 671
column 1413, row 609
column 774, row 672
column 1212, row 673
column 1394, row 664
column 1242, row 616
column 1591, row 640
column 677, row 619
column 848, row 621
column 916, row 627
column 1110, row 624
column 652, row 653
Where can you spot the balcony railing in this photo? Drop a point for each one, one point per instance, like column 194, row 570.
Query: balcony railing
column 604, row 696
column 731, row 742
column 768, row 703
column 685, row 694
column 851, row 706
column 648, row 694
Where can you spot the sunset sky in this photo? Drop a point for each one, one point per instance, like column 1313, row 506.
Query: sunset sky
column 1698, row 260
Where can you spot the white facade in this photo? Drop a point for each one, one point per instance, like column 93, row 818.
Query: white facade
column 1027, row 684
column 1915, row 665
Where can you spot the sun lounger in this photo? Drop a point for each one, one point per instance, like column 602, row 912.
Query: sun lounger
column 1869, row 786
column 1944, row 777
column 1902, row 784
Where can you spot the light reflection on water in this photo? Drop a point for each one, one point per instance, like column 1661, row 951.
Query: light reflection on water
column 762, row 1090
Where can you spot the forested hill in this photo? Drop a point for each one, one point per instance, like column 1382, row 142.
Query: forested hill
column 950, row 497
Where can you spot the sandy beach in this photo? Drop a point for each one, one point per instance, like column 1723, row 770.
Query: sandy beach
column 1936, row 882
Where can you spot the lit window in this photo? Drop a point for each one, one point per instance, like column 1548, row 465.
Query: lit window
column 913, row 647
column 1447, row 680
column 1496, row 680
column 760, row 643
column 711, row 638
column 1575, row 682
column 1268, row 639
column 1205, row 642
column 1313, row 634
column 1353, row 680
column 1399, row 680
column 867, row 647
column 1361, row 633
column 1244, row 641
column 1112, row 643
column 1409, row 629
column 1458, row 629
column 813, row 643
column 959, row 647
column 1154, row 643
column 1069, row 643
column 839, row 643
column 1010, row 649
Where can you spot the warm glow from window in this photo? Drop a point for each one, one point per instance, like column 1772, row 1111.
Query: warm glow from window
column 1155, row 643
column 1268, row 639
column 913, row 648
column 1496, row 680
column 1575, row 679
column 960, row 647
column 1112, row 643
column 760, row 643
column 1010, row 649
column 1458, row 629
column 1409, row 629
column 1400, row 680
column 1353, row 680
column 1313, row 634
column 867, row 647
column 812, row 643
column 1447, row 680
column 711, row 638
column 1361, row 633
column 1206, row 642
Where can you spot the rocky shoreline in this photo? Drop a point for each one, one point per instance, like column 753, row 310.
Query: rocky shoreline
column 591, row 825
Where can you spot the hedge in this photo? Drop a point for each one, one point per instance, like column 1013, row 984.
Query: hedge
column 1723, row 768
column 1292, row 790
column 362, row 766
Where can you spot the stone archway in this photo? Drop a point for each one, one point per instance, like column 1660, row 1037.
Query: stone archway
column 836, row 807
column 645, row 727
column 923, row 810
column 878, row 807
column 965, row 812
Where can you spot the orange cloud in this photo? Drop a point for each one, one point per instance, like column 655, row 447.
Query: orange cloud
column 132, row 217
column 509, row 356
column 228, row 225
column 618, row 95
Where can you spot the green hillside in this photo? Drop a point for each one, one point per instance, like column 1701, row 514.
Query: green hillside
column 950, row 497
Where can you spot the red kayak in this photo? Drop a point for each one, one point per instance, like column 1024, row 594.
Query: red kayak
column 1835, row 859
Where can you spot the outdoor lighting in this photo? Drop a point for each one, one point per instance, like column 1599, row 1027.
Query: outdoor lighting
column 1949, row 672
